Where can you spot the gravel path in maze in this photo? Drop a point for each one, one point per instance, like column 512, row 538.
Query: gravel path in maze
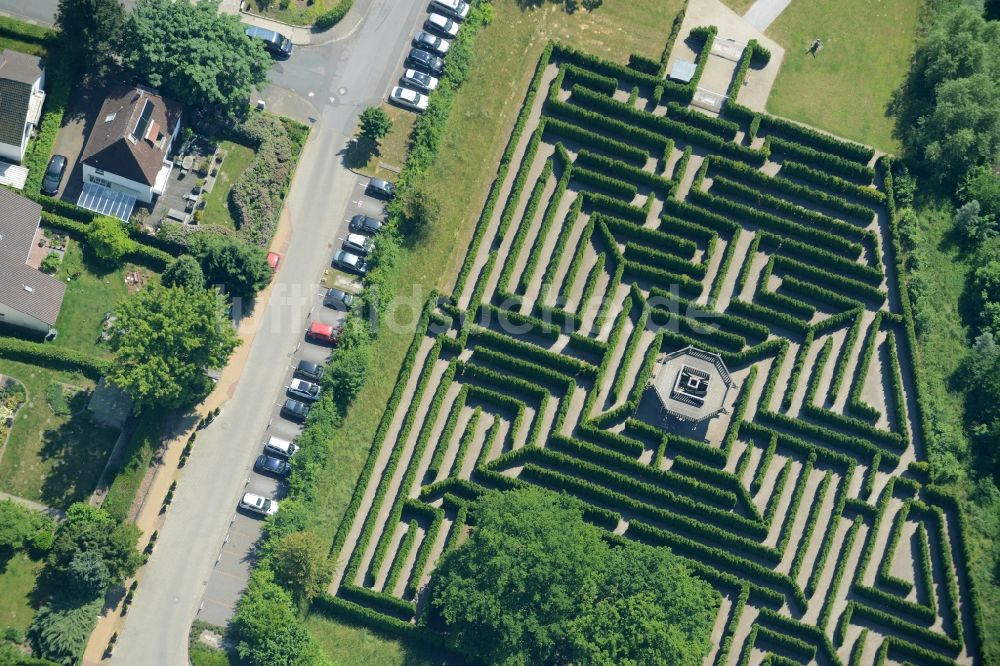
column 804, row 502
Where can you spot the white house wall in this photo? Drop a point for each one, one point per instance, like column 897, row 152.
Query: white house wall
column 12, row 317
column 140, row 191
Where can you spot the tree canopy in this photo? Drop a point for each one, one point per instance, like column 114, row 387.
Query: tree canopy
column 194, row 53
column 948, row 109
column 109, row 239
column 301, row 563
column 88, row 529
column 164, row 338
column 375, row 123
column 537, row 584
column 239, row 268
column 184, row 271
column 91, row 32
column 20, row 527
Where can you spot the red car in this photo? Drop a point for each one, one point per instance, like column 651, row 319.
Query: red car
column 273, row 259
column 323, row 333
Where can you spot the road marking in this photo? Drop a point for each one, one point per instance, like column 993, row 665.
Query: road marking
column 332, row 100
column 311, row 93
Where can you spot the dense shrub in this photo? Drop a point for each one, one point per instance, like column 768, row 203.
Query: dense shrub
column 333, row 16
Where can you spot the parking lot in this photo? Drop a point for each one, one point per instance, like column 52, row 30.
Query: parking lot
column 235, row 558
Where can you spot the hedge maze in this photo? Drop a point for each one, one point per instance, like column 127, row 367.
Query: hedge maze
column 622, row 225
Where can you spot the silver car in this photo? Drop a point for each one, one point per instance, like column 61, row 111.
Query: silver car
column 255, row 503
column 411, row 99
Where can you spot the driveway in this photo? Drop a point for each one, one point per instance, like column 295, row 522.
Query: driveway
column 344, row 77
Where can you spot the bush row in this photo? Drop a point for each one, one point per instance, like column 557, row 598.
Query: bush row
column 655, row 258
column 523, row 368
column 573, row 75
column 770, row 202
column 624, row 171
column 498, row 183
column 793, row 378
column 896, row 382
column 140, row 253
column 550, row 213
column 716, row 337
column 565, row 231
column 855, row 401
column 337, row 608
column 449, row 429
column 810, row 525
column 423, row 554
column 50, row 356
column 849, row 249
column 621, row 73
column 816, row 140
column 59, row 80
column 841, row 167
column 779, row 489
column 739, row 412
column 723, row 271
column 831, row 279
column 643, row 64
column 744, row 275
column 561, row 362
column 811, row 290
column 821, row 257
column 603, row 124
column 859, row 214
column 712, row 124
column 614, row 207
column 820, row 177
column 333, row 16
column 951, row 587
column 630, row 349
column 914, row 631
column 613, row 186
column 594, row 141
column 402, row 552
column 764, row 465
column 381, row 601
column 851, row 443
column 512, row 318
column 527, row 217
column 744, row 327
column 769, row 316
column 660, row 240
column 831, row 529
column 722, row 657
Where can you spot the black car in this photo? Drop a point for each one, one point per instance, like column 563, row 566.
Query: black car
column 350, row 262
column 380, row 188
column 362, row 224
column 337, row 299
column 268, row 465
column 309, row 370
column 295, row 410
column 53, row 175
column 428, row 62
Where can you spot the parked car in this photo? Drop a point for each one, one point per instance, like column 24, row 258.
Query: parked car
column 442, row 25
column 275, row 43
column 262, row 506
column 273, row 259
column 424, row 61
column 282, row 448
column 303, row 390
column 350, row 262
column 410, row 99
column 359, row 244
column 273, row 466
column 337, row 299
column 362, row 224
column 309, row 370
column 380, row 188
column 419, row 80
column 321, row 332
column 456, row 9
column 433, row 43
column 295, row 410
column 53, row 175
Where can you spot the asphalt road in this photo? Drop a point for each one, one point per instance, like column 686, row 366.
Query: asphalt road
column 343, row 77
column 38, row 11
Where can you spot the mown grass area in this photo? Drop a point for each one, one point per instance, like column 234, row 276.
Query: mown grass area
column 477, row 132
column 18, row 572
column 53, row 458
column 24, row 37
column 846, row 86
column 943, row 344
column 238, row 158
column 93, row 288
column 363, row 645
column 391, row 149
column 738, row 6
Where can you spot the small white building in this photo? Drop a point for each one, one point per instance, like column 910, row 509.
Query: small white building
column 29, row 298
column 126, row 152
column 22, row 80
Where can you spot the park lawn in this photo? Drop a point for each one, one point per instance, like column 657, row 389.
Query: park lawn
column 18, row 572
column 474, row 138
column 238, row 158
column 93, row 288
column 391, row 149
column 11, row 28
column 55, row 459
column 943, row 344
column 845, row 88
column 348, row 644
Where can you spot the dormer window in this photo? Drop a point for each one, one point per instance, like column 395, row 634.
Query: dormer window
column 111, row 116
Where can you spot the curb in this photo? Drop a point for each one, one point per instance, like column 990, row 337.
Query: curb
column 303, row 35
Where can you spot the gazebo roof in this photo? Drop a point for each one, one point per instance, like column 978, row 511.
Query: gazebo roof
column 683, row 70
column 692, row 384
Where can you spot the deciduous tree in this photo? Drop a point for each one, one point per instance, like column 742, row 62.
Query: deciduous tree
column 91, row 32
column 195, row 54
column 184, row 271
column 301, row 563
column 108, row 239
column 375, row 123
column 164, row 339
column 239, row 268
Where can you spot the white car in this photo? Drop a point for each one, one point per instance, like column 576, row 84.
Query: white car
column 425, row 83
column 300, row 388
column 411, row 99
column 442, row 25
column 457, row 9
column 260, row 505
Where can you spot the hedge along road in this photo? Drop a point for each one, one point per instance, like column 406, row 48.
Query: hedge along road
column 156, row 627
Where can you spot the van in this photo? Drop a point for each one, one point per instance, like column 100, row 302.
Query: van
column 276, row 44
column 280, row 447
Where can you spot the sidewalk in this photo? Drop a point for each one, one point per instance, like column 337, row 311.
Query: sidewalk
column 304, row 35
column 34, row 506
column 149, row 518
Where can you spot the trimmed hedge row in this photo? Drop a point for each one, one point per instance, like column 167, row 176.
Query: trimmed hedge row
column 550, row 213
column 739, row 412
column 855, row 401
column 50, row 356
column 386, row 603
column 821, row 257
column 723, row 271
column 620, row 149
column 914, row 631
column 140, row 253
column 810, row 525
column 59, row 81
column 690, row 213
column 846, row 168
column 663, row 241
column 338, row 608
column 534, row 326
column 654, row 258
column 831, row 279
column 449, row 429
column 643, row 64
column 851, row 443
column 573, row 74
column 831, row 529
column 820, row 177
column 896, row 382
column 793, row 379
column 615, row 207
column 848, row 249
column 613, row 186
column 423, row 554
column 548, row 279
column 764, row 465
column 859, row 214
column 502, row 169
column 606, row 68
column 818, row 141
column 811, row 290
column 624, row 171
column 770, row 316
column 402, row 552
column 745, row 327
column 524, row 227
column 712, row 124
column 333, row 16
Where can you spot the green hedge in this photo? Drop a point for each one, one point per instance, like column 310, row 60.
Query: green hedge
column 623, row 171
column 713, row 124
column 621, row 150
column 820, row 177
column 818, row 141
column 644, row 64
column 59, row 81
column 50, row 356
column 342, row 609
column 614, row 186
column 333, row 16
column 838, row 165
column 781, row 245
column 573, row 74
column 810, row 525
